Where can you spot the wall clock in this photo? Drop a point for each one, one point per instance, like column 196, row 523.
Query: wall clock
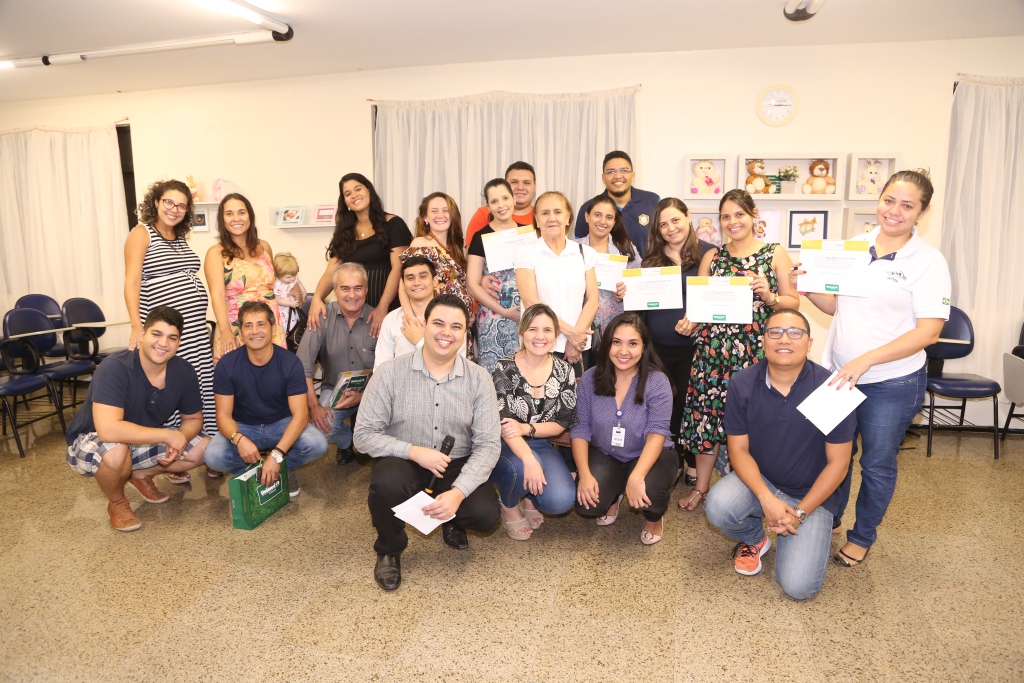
column 776, row 105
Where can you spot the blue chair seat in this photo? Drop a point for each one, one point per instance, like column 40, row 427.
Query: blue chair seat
column 962, row 385
column 57, row 351
column 67, row 369
column 17, row 385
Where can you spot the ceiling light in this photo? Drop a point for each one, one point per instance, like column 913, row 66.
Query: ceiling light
column 794, row 12
column 255, row 17
column 57, row 60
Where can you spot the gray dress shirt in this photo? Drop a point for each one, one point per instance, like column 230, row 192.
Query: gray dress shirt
column 338, row 348
column 403, row 406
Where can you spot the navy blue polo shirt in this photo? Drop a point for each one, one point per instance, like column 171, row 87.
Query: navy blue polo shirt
column 120, row 381
column 261, row 391
column 636, row 216
column 787, row 447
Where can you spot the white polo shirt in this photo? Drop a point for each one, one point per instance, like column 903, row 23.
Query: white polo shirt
column 391, row 343
column 915, row 284
column 561, row 278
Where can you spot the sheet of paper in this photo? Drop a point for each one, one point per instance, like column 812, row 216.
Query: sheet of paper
column 827, row 406
column 411, row 512
column 609, row 270
column 834, row 267
column 500, row 247
column 720, row 300
column 652, row 288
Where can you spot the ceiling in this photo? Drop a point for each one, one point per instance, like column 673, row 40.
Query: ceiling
column 333, row 36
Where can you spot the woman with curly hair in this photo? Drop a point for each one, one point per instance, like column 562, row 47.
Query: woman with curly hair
column 162, row 270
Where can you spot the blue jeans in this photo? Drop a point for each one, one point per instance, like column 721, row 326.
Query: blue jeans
column 800, row 559
column 223, row 457
column 882, row 421
column 559, row 493
column 341, row 433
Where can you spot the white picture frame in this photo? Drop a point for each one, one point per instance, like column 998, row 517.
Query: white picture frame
column 771, row 162
column 201, row 219
column 858, row 221
column 768, row 224
column 705, row 223
column 696, row 188
column 291, row 215
column 867, row 172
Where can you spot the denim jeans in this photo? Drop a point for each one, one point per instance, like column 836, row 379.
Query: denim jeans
column 882, row 421
column 559, row 493
column 223, row 457
column 341, row 433
column 800, row 559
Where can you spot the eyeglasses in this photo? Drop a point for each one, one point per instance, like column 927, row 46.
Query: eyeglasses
column 793, row 333
column 171, row 204
column 618, row 171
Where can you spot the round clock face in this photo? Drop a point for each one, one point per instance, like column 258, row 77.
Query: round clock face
column 776, row 105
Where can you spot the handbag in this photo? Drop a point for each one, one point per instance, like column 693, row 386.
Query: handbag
column 252, row 502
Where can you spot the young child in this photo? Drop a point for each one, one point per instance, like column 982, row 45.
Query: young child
column 288, row 289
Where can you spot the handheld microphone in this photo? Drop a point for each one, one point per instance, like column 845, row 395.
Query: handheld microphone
column 446, row 448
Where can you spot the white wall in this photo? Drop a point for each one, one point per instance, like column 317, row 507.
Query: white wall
column 288, row 141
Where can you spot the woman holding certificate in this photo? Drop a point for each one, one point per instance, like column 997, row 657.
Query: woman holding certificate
column 877, row 343
column 673, row 242
column 559, row 272
column 621, row 444
column 724, row 348
column 497, row 316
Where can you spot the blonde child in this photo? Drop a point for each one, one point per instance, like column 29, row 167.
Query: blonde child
column 288, row 289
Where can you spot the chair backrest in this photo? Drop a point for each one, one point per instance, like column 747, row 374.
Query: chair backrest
column 80, row 310
column 24, row 320
column 40, row 302
column 1013, row 378
column 308, row 301
column 957, row 327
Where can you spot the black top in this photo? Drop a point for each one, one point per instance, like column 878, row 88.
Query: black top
column 787, row 447
column 261, row 391
column 476, row 245
column 515, row 399
column 662, row 323
column 120, row 381
column 377, row 260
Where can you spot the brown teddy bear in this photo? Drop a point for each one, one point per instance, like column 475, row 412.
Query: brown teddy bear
column 757, row 182
column 819, row 182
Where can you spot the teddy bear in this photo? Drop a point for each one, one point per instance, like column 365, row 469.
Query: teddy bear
column 757, row 182
column 819, row 182
column 705, row 178
column 870, row 177
column 706, row 231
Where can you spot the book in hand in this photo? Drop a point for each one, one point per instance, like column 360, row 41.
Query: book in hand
column 252, row 502
column 355, row 380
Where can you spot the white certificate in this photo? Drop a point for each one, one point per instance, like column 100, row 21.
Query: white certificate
column 720, row 300
column 834, row 267
column 609, row 270
column 652, row 288
column 827, row 406
column 500, row 247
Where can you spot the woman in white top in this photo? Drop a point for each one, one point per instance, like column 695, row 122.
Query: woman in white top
column 877, row 343
column 560, row 273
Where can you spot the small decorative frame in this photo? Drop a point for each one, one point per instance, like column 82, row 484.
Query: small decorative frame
column 323, row 214
column 807, row 224
column 768, row 225
column 699, row 175
column 705, row 224
column 859, row 221
column 764, row 165
column 868, row 173
column 201, row 219
column 291, row 215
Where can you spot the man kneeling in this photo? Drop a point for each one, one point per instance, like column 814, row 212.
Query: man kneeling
column 117, row 435
column 785, row 471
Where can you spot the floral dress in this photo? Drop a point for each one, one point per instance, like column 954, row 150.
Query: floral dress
column 496, row 336
column 722, row 350
column 450, row 277
column 248, row 281
column 607, row 306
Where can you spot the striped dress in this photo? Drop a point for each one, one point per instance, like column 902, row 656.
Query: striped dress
column 169, row 278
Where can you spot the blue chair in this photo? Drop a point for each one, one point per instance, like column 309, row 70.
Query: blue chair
column 51, row 309
column 28, row 321
column 958, row 385
column 22, row 362
column 76, row 312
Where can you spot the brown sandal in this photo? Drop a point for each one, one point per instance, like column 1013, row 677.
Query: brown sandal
column 690, row 504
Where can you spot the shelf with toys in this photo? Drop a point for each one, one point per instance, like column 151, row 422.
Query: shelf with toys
column 868, row 172
column 793, row 177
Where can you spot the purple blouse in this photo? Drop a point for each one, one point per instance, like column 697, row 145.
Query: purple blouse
column 596, row 415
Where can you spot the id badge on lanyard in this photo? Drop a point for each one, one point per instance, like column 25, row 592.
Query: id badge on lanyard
column 618, row 431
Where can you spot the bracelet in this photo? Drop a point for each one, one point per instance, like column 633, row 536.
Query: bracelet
column 232, row 438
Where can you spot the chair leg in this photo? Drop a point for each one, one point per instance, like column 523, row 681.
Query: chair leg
column 963, row 409
column 1009, row 416
column 931, row 420
column 58, row 406
column 995, row 424
column 14, row 423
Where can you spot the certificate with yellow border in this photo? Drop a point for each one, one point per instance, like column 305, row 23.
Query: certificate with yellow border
column 720, row 300
column 652, row 288
column 500, row 247
column 834, row 267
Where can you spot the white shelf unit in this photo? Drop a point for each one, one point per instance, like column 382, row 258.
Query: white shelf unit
column 859, row 219
column 774, row 160
column 724, row 166
column 274, row 212
column 867, row 172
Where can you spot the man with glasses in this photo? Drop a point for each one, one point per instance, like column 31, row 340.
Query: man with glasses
column 785, row 471
column 637, row 205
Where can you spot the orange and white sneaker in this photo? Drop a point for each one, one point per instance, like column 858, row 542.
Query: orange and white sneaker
column 748, row 557
column 121, row 516
column 148, row 489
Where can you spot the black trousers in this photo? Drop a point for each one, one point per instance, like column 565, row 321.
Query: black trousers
column 611, row 475
column 677, row 361
column 395, row 480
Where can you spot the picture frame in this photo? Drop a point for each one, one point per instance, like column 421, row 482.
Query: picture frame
column 768, row 225
column 201, row 219
column 323, row 214
column 859, row 221
column 807, row 224
column 291, row 215
column 705, row 224
column 722, row 165
column 867, row 174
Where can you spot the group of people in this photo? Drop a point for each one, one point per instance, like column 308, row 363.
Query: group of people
column 553, row 396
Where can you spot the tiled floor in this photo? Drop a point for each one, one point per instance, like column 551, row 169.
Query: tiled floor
column 189, row 598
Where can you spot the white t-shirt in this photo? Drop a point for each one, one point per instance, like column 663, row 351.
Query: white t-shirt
column 914, row 285
column 391, row 343
column 561, row 278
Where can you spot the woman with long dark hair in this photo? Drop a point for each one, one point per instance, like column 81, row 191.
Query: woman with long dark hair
column 366, row 234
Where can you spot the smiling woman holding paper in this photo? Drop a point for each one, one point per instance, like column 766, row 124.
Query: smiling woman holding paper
column 877, row 343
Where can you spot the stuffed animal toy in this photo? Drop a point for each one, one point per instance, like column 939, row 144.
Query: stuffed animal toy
column 820, row 182
column 706, row 231
column 757, row 182
column 705, row 178
column 196, row 196
column 870, row 177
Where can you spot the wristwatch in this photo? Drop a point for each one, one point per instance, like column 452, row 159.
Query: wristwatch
column 801, row 515
column 774, row 304
column 278, row 457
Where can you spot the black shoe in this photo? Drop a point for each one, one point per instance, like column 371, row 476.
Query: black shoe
column 454, row 536
column 388, row 571
column 346, row 455
column 689, row 479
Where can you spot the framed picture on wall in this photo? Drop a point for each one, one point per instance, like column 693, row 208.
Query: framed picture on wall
column 292, row 215
column 201, row 220
column 768, row 225
column 807, row 225
column 859, row 221
column 708, row 176
column 705, row 224
column 324, row 213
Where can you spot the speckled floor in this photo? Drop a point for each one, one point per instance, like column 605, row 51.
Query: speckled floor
column 189, row 598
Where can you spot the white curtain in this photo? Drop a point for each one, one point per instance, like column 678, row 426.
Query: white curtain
column 983, row 221
column 457, row 145
column 62, row 217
